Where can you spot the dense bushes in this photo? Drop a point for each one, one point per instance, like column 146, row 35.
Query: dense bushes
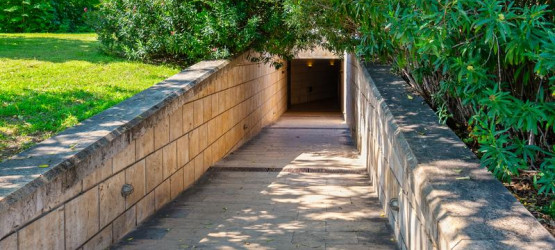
column 189, row 31
column 45, row 15
column 489, row 65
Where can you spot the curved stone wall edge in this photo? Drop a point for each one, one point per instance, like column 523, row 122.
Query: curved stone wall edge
column 47, row 187
column 73, row 145
column 446, row 199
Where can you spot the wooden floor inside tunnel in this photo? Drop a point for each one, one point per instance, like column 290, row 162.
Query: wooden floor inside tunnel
column 299, row 184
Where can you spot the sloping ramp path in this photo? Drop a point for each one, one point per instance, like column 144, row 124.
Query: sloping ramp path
column 297, row 185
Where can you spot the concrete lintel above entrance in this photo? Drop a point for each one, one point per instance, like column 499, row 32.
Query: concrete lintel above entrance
column 317, row 53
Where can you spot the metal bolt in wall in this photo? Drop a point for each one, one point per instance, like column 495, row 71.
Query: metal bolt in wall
column 126, row 190
column 394, row 204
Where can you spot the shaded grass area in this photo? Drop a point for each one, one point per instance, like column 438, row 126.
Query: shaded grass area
column 49, row 82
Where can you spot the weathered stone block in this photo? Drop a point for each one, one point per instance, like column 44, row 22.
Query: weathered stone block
column 189, row 174
column 135, row 175
column 221, row 101
column 199, row 166
column 45, row 233
column 188, row 117
column 145, row 207
column 210, row 87
column 199, row 112
column 235, row 96
column 81, row 218
column 176, row 181
column 124, row 224
column 9, row 243
column 218, row 82
column 207, row 108
column 182, row 151
column 176, row 124
column 169, row 160
column 204, row 89
column 228, row 138
column 226, row 121
column 228, row 98
column 102, row 240
column 202, row 137
column 13, row 218
column 154, row 166
column 194, row 145
column 145, row 144
column 124, row 158
column 101, row 173
column 220, row 125
column 162, row 133
column 219, row 148
column 162, row 194
column 207, row 161
column 211, row 131
column 214, row 105
column 239, row 75
column 227, row 78
column 214, row 154
column 112, row 203
column 58, row 191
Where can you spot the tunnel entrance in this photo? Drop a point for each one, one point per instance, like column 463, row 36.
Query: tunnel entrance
column 315, row 85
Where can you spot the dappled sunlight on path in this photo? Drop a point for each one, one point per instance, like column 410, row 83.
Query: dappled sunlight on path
column 290, row 187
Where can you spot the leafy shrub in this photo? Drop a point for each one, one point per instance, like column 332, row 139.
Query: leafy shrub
column 189, row 31
column 26, row 16
column 490, row 65
column 73, row 15
column 45, row 15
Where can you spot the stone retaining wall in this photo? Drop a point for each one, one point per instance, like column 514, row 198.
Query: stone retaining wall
column 160, row 142
column 445, row 199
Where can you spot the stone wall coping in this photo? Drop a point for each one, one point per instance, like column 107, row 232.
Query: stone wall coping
column 24, row 173
column 466, row 203
column 317, row 52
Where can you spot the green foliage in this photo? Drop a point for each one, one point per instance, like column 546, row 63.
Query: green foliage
column 26, row 15
column 74, row 15
column 189, row 31
column 45, row 15
column 546, row 182
column 488, row 64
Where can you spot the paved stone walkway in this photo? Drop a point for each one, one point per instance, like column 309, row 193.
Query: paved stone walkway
column 297, row 185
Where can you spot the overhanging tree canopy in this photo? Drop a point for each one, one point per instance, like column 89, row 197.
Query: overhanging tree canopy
column 487, row 65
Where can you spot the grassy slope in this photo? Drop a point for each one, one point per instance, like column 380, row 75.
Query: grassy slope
column 49, row 82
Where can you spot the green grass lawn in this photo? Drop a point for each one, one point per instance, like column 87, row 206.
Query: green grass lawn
column 49, row 82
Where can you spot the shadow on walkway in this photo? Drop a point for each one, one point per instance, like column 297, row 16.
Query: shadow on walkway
column 299, row 184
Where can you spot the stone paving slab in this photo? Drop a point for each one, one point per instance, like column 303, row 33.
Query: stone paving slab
column 276, row 209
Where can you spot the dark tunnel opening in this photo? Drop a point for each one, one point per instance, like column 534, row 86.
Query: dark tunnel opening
column 315, row 85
